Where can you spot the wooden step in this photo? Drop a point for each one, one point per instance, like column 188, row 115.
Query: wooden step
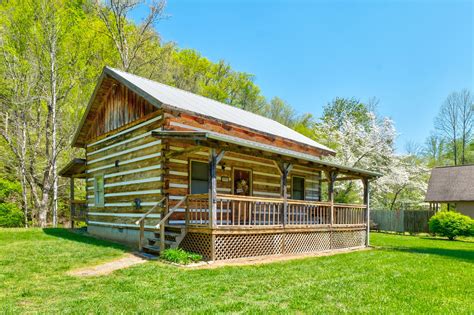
column 157, row 241
column 168, row 235
column 152, row 249
column 175, row 228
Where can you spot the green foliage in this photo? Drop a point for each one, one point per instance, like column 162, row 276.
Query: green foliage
column 8, row 189
column 10, row 215
column 451, row 224
column 180, row 256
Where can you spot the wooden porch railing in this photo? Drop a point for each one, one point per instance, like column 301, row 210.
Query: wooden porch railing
column 141, row 221
column 248, row 211
column 308, row 213
column 78, row 210
column 350, row 214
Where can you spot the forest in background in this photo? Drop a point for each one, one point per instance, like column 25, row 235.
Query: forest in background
column 52, row 52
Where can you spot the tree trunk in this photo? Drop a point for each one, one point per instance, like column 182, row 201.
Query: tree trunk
column 53, row 107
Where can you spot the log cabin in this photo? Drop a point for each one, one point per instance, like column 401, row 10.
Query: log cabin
column 166, row 168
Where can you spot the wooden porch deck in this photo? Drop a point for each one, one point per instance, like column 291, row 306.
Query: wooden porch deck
column 244, row 226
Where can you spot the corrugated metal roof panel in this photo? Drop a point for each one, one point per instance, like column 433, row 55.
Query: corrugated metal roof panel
column 204, row 106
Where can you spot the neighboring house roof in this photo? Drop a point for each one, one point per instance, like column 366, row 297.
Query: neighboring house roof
column 158, row 93
column 451, row 183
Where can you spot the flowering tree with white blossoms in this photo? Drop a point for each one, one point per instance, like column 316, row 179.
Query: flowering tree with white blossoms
column 369, row 144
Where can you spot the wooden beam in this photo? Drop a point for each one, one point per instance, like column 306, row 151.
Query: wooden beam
column 220, row 156
column 285, row 168
column 367, row 203
column 170, row 155
column 71, row 199
column 331, row 176
column 212, row 187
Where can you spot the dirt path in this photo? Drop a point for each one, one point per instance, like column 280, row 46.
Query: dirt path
column 109, row 267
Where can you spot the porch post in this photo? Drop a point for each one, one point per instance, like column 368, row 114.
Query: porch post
column 212, row 188
column 71, row 200
column 367, row 203
column 285, row 169
column 331, row 178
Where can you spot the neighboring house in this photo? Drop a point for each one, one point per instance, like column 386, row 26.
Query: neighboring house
column 208, row 177
column 452, row 185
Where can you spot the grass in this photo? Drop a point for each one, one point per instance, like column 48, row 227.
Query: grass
column 405, row 274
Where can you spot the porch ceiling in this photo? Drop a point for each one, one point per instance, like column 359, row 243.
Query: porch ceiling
column 75, row 168
column 235, row 144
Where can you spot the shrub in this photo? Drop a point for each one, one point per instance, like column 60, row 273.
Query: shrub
column 10, row 215
column 451, row 224
column 180, row 256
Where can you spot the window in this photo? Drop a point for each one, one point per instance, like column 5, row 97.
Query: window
column 242, row 182
column 99, row 190
column 199, row 177
column 297, row 188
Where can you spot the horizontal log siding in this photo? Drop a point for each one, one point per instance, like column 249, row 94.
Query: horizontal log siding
column 265, row 174
column 139, row 173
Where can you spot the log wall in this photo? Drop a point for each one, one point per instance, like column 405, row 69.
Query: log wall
column 130, row 160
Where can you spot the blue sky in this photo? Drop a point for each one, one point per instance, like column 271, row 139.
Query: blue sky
column 408, row 54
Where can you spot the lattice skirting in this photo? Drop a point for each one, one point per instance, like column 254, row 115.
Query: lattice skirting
column 230, row 246
column 200, row 243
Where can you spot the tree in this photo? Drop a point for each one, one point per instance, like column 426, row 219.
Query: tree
column 466, row 113
column 434, row 150
column 46, row 68
column 130, row 40
column 455, row 123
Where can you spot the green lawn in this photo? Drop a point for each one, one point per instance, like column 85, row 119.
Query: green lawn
column 404, row 275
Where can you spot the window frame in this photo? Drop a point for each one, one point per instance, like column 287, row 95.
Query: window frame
column 190, row 177
column 99, row 193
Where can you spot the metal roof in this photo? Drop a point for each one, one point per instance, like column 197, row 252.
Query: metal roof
column 201, row 133
column 452, row 183
column 194, row 103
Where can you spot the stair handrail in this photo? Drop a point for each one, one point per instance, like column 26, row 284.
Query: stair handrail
column 141, row 221
column 145, row 215
column 161, row 224
column 173, row 210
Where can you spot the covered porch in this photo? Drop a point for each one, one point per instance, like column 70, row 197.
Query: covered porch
column 227, row 226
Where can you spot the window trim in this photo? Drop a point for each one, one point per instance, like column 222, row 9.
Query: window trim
column 293, row 186
column 99, row 201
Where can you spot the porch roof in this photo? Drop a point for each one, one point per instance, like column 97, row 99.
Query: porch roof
column 226, row 142
column 75, row 168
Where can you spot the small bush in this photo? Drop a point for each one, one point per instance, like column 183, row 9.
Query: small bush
column 180, row 256
column 451, row 224
column 10, row 215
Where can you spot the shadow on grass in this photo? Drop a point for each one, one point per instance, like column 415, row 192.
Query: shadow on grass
column 73, row 236
column 463, row 240
column 458, row 254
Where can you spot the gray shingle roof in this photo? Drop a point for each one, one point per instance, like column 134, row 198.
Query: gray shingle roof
column 194, row 103
column 454, row 183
